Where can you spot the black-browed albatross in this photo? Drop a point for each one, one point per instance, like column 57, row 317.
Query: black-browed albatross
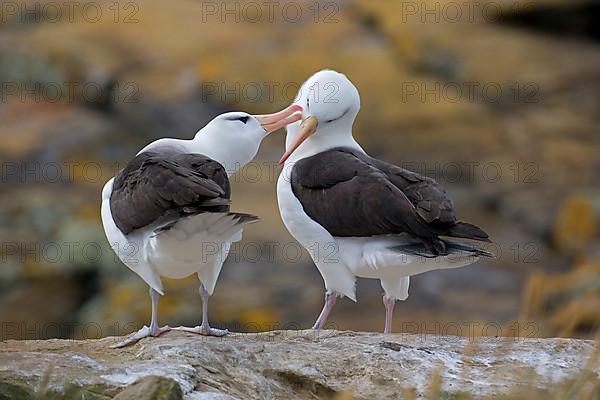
column 359, row 216
column 167, row 212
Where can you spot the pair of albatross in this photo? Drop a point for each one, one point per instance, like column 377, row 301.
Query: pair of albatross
column 357, row 216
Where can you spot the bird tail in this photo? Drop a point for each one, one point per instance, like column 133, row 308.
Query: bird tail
column 465, row 230
column 452, row 248
column 198, row 243
column 185, row 239
column 455, row 247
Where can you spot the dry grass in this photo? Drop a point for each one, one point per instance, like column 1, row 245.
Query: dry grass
column 565, row 304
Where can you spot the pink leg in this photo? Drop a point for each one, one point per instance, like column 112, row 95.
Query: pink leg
column 388, row 302
column 204, row 329
column 330, row 298
column 152, row 330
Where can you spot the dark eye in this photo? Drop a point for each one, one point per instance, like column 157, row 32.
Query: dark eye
column 307, row 103
column 244, row 119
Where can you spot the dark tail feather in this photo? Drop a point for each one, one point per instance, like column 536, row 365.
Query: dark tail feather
column 467, row 231
column 451, row 247
column 454, row 247
column 245, row 218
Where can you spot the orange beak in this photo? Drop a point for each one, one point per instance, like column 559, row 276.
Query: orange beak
column 275, row 121
column 307, row 128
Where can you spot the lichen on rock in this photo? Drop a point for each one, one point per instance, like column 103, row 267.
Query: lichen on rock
column 293, row 364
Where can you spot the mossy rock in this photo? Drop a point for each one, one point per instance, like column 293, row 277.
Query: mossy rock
column 152, row 388
column 89, row 392
column 13, row 391
column 8, row 391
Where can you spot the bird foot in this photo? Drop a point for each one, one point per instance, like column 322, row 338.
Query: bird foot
column 142, row 333
column 204, row 330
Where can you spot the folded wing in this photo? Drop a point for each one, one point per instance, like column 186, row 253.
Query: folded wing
column 154, row 185
column 352, row 194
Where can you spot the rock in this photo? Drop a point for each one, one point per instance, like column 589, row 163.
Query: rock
column 151, row 388
column 293, row 364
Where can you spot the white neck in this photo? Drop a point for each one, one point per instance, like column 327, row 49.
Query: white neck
column 328, row 136
column 232, row 158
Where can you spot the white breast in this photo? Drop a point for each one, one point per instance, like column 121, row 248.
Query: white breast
column 322, row 247
column 131, row 248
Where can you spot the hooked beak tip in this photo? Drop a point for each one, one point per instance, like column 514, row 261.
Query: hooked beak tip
column 272, row 122
column 307, row 128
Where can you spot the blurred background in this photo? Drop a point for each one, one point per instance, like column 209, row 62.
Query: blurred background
column 498, row 100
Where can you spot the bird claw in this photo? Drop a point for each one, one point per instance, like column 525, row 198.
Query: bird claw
column 203, row 330
column 142, row 333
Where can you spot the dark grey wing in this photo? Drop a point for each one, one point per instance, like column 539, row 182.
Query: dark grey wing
column 432, row 201
column 153, row 185
column 350, row 197
column 351, row 194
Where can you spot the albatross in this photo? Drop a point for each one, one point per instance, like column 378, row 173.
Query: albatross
column 359, row 216
column 166, row 214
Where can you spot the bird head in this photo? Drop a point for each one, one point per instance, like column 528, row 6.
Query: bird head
column 330, row 104
column 233, row 138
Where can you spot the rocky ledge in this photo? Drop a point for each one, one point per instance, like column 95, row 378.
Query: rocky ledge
column 293, row 365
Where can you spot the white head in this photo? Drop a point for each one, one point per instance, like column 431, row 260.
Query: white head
column 233, row 138
column 330, row 103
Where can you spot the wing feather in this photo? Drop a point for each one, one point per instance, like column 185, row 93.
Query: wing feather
column 352, row 194
column 154, row 184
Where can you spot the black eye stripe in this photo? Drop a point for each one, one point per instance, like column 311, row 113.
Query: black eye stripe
column 340, row 117
column 243, row 119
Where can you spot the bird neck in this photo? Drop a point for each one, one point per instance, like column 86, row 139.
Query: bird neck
column 327, row 136
column 231, row 156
